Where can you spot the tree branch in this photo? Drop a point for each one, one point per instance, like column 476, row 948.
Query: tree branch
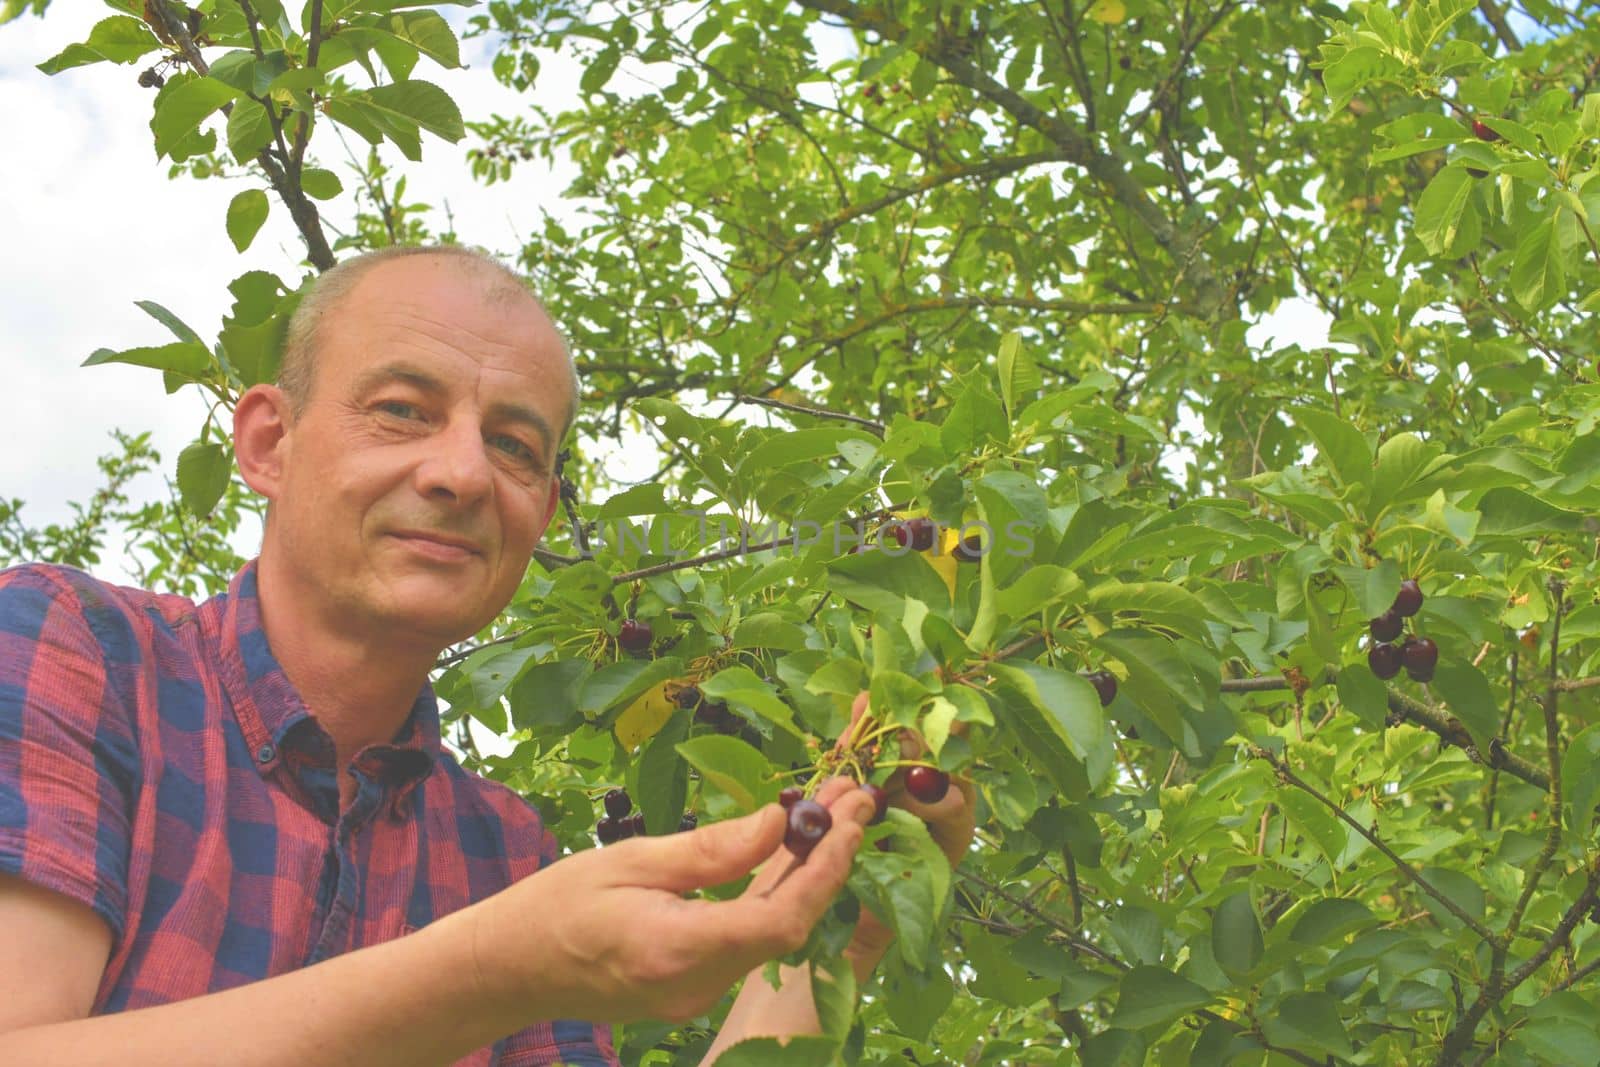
column 821, row 413
column 1410, row 872
column 950, row 53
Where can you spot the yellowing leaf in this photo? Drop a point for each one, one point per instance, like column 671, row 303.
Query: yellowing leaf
column 645, row 716
column 1109, row 12
column 943, row 561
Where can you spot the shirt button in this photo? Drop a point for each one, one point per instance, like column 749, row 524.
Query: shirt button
column 265, row 753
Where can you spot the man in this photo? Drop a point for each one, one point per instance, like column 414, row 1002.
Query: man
column 229, row 834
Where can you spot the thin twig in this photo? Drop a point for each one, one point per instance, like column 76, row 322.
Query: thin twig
column 821, row 413
column 1288, row 776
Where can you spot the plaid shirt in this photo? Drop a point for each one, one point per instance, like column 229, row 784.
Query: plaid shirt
column 157, row 765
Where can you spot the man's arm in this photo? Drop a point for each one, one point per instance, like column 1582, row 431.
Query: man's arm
column 408, row 1001
column 604, row 935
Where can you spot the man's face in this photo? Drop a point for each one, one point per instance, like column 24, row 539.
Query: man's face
column 420, row 475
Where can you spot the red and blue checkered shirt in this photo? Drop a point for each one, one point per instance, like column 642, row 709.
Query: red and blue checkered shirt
column 157, row 765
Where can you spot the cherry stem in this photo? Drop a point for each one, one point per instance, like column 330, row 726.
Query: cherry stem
column 795, row 862
column 907, row 763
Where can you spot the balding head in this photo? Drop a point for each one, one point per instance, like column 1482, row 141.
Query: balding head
column 297, row 370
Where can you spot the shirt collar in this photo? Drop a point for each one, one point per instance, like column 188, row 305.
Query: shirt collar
column 267, row 705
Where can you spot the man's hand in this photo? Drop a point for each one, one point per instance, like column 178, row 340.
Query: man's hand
column 607, row 936
column 951, row 823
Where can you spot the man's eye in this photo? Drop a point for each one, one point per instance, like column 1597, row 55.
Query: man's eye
column 399, row 408
column 512, row 447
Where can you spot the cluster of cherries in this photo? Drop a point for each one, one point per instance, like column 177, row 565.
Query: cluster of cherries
column 712, row 713
column 810, row 821
column 621, row 821
column 1417, row 655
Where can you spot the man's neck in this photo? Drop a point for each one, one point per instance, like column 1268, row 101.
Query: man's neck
column 361, row 691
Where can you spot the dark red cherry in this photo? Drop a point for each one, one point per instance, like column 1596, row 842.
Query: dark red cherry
column 1387, row 627
column 1408, row 601
column 687, row 697
column 790, row 795
column 609, row 830
column 880, row 799
column 808, row 823
column 635, row 635
column 917, row 534
column 636, row 824
column 1421, row 657
column 1385, row 660
column 1105, row 684
column 688, row 822
column 970, row 550
column 618, row 803
column 927, row 784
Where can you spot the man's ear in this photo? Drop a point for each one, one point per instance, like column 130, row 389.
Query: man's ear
column 550, row 507
column 261, row 424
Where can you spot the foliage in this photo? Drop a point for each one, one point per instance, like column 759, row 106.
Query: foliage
column 1000, row 264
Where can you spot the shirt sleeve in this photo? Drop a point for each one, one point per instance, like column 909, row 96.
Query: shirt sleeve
column 563, row 1043
column 69, row 766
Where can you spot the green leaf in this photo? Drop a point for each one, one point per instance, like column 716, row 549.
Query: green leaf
column 915, row 1000
column 1343, row 447
column 1355, row 69
column 1465, row 692
column 119, row 39
column 204, row 469
column 1402, row 461
column 492, row 671
column 1157, row 604
column 615, row 686
column 249, row 130
column 1309, row 1021
column 833, row 993
column 1327, row 920
column 1580, row 781
column 320, row 184
column 805, row 1051
column 246, row 213
column 1158, row 679
column 1440, row 208
column 187, row 358
column 179, row 328
column 975, row 419
column 663, row 780
column 1361, row 692
column 1068, row 708
column 883, row 580
column 599, row 70
column 1236, row 935
column 397, row 111
column 1154, row 996
column 545, row 695
column 431, row 34
column 181, row 108
column 1508, row 512
column 1538, row 275
column 733, row 767
column 739, row 685
column 905, row 886
column 789, row 447
column 1312, row 818
column 1018, row 375
column 1056, row 718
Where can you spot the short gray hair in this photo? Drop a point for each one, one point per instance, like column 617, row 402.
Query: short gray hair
column 297, row 368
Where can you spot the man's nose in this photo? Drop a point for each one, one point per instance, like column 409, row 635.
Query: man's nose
column 457, row 465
